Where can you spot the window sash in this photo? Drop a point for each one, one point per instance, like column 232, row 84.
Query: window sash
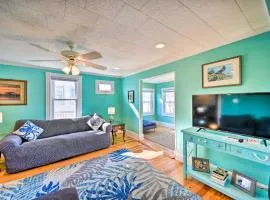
column 104, row 82
column 149, row 104
column 168, row 105
column 65, row 113
column 54, row 95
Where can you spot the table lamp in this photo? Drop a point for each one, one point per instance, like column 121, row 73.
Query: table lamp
column 111, row 112
column 1, row 117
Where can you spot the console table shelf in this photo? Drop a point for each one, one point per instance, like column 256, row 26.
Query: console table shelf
column 228, row 189
column 216, row 140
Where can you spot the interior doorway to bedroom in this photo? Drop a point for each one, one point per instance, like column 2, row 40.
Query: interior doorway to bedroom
column 157, row 108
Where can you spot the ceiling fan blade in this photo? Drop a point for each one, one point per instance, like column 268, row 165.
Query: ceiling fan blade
column 45, row 60
column 40, row 47
column 100, row 67
column 91, row 55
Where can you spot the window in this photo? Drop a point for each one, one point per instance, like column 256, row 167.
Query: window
column 104, row 87
column 148, row 102
column 63, row 96
column 168, row 101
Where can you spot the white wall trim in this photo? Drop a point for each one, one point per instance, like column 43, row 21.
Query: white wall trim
column 97, row 82
column 50, row 76
column 178, row 156
column 56, row 69
column 165, row 124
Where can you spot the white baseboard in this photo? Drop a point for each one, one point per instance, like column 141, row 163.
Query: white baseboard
column 178, row 156
column 168, row 125
column 135, row 135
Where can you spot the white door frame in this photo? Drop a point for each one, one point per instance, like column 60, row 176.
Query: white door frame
column 141, row 135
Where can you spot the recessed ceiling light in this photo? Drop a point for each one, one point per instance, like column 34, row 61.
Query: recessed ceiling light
column 116, row 68
column 160, row 45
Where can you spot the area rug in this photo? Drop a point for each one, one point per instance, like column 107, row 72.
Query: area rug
column 114, row 176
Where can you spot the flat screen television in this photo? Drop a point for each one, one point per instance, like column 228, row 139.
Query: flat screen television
column 246, row 113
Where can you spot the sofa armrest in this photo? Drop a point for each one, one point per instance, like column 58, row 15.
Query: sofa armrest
column 106, row 127
column 10, row 142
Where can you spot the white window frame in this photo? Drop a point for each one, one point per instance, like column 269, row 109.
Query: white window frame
column 50, row 92
column 153, row 99
column 104, row 82
column 163, row 91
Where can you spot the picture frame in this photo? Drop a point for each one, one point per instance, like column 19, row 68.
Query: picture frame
column 201, row 164
column 131, row 96
column 244, row 183
column 226, row 72
column 13, row 92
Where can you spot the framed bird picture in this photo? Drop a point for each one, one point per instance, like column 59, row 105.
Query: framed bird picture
column 226, row 72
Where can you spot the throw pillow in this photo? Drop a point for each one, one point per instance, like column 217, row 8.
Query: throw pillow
column 29, row 131
column 95, row 122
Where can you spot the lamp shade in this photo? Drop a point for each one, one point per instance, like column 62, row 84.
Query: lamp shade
column 1, row 117
column 111, row 110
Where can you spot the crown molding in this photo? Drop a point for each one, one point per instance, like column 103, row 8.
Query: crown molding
column 18, row 64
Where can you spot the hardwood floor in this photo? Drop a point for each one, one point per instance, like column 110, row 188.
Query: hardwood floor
column 164, row 163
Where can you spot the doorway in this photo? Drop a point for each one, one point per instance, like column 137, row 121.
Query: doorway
column 157, row 110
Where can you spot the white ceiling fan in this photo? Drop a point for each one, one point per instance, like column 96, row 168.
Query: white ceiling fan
column 73, row 59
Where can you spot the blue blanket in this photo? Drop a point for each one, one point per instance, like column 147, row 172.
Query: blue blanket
column 148, row 123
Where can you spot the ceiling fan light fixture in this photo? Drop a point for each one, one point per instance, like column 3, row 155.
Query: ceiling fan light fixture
column 75, row 71
column 66, row 70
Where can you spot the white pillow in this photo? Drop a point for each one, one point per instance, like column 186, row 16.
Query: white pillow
column 95, row 122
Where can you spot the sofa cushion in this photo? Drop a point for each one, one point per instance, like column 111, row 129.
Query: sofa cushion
column 48, row 150
column 95, row 122
column 29, row 131
column 58, row 126
column 64, row 194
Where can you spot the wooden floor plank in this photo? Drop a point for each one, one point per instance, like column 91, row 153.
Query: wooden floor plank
column 166, row 164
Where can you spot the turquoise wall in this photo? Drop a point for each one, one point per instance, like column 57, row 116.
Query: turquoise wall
column 188, row 79
column 255, row 52
column 159, row 105
column 35, row 108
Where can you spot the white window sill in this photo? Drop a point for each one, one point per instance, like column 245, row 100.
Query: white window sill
column 148, row 114
column 168, row 115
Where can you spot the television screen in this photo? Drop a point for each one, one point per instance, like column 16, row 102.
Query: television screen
column 247, row 114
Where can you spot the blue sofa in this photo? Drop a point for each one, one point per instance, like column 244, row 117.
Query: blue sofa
column 61, row 139
column 148, row 125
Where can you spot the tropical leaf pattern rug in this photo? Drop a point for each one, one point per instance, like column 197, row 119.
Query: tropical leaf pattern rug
column 114, row 176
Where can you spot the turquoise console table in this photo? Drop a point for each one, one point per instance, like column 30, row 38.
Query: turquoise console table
column 219, row 141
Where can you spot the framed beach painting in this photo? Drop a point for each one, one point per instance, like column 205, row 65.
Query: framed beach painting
column 13, row 92
column 225, row 72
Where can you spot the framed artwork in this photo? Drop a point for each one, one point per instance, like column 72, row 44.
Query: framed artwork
column 13, row 92
column 131, row 96
column 244, row 183
column 225, row 72
column 200, row 164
